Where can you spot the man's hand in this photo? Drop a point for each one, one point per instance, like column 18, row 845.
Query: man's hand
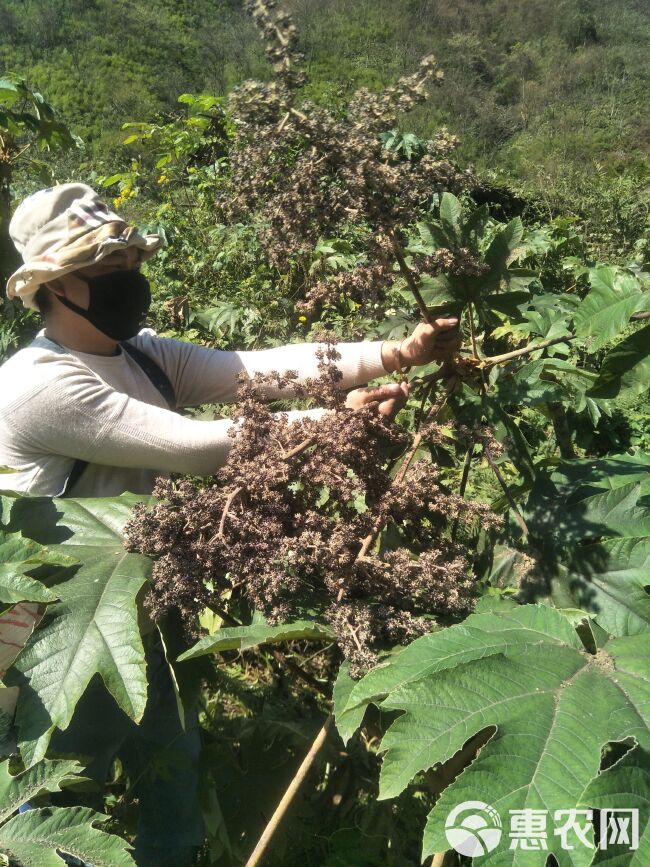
column 390, row 398
column 436, row 342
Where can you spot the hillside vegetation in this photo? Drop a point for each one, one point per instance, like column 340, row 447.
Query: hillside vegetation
column 548, row 95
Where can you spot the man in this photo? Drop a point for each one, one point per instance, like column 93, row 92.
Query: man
column 78, row 396
column 88, row 409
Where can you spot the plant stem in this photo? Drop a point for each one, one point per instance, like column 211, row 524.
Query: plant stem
column 226, row 508
column 472, row 329
column 296, row 450
column 533, row 347
column 410, row 279
column 399, row 478
column 525, row 350
column 463, row 484
column 290, row 793
column 562, row 430
column 506, row 490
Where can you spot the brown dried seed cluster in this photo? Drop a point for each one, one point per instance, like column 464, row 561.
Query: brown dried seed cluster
column 304, row 171
column 281, row 527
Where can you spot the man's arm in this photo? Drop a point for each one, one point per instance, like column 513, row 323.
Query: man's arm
column 202, row 375
column 79, row 416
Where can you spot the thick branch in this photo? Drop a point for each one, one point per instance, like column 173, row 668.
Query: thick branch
column 533, row 347
column 506, row 490
column 525, row 350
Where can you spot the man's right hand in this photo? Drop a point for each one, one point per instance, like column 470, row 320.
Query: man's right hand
column 390, row 398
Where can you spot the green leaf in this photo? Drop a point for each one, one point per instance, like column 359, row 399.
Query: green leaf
column 606, row 310
column 450, row 213
column 474, row 227
column 507, row 302
column 478, row 636
column 550, row 707
column 612, row 512
column 594, row 527
column 579, row 478
column 347, row 721
column 503, row 245
column 34, row 837
column 94, row 626
column 245, row 637
column 45, row 776
column 19, row 556
column 626, row 368
column 624, row 786
column 9, row 85
column 546, row 753
column 432, row 237
column 612, row 579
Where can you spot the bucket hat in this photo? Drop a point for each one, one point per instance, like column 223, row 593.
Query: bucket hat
column 63, row 229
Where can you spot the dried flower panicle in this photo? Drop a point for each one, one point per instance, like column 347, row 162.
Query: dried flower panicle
column 282, row 525
column 304, row 171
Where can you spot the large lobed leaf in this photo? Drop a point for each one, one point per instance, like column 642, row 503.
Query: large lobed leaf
column 33, row 837
column 626, row 368
column 524, row 675
column 626, row 782
column 593, row 526
column 615, row 295
column 93, row 628
column 18, row 557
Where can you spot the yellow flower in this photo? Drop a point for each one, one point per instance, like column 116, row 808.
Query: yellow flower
column 302, row 319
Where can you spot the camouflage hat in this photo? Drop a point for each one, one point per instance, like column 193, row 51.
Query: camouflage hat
column 64, row 229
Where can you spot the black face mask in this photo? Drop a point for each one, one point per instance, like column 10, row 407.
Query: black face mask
column 118, row 305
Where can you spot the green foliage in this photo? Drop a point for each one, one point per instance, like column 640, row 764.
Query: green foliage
column 18, row 557
column 574, row 143
column 595, row 525
column 259, row 632
column 526, row 676
column 25, row 111
column 495, row 246
column 543, row 429
column 611, row 791
column 615, row 295
column 39, row 836
column 625, row 370
column 94, row 625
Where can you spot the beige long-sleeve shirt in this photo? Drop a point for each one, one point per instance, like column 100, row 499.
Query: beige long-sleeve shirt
column 59, row 407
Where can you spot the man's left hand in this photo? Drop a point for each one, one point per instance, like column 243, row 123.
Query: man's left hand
column 435, row 342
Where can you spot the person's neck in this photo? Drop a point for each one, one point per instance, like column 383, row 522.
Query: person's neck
column 81, row 338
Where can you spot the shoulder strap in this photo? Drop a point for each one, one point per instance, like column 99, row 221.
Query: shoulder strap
column 155, row 373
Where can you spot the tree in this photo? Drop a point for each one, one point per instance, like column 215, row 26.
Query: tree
column 27, row 122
